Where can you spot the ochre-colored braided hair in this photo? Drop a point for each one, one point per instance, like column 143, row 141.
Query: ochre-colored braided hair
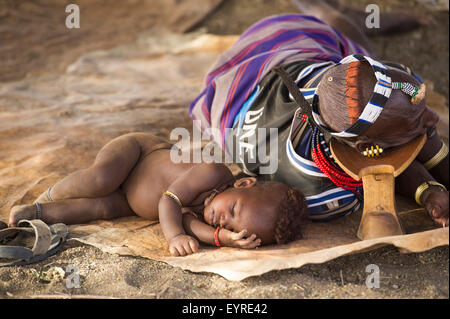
column 344, row 91
column 353, row 92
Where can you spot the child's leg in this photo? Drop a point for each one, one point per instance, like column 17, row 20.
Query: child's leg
column 110, row 169
column 75, row 211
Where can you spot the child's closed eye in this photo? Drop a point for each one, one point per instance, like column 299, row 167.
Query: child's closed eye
column 232, row 209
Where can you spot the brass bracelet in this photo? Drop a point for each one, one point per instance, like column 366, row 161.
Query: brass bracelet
column 437, row 158
column 174, row 197
column 423, row 187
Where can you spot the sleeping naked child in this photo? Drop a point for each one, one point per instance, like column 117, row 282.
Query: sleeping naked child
column 134, row 174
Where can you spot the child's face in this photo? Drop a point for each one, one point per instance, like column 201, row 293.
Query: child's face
column 246, row 207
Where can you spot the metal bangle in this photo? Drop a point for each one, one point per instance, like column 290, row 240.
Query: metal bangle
column 38, row 210
column 437, row 158
column 423, row 187
column 174, row 197
column 48, row 194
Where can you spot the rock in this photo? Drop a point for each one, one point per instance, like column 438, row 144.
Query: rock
column 53, row 274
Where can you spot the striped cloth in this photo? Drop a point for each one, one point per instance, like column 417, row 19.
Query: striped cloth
column 272, row 41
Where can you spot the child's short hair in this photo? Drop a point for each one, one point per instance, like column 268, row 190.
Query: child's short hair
column 292, row 214
column 292, row 217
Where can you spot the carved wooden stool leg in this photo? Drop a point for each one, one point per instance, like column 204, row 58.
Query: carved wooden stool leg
column 379, row 218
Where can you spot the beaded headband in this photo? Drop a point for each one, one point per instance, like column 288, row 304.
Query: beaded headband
column 381, row 93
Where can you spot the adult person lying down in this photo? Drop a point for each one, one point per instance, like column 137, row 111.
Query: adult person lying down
column 370, row 105
column 134, row 175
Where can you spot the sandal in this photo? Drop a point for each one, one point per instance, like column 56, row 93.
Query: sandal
column 48, row 240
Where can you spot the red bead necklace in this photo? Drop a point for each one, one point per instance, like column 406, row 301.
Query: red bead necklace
column 338, row 177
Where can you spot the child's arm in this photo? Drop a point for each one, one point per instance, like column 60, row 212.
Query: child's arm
column 180, row 244
column 227, row 238
column 199, row 179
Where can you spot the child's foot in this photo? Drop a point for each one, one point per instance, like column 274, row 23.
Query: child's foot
column 21, row 212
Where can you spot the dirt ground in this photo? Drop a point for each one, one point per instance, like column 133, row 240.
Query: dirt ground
column 28, row 47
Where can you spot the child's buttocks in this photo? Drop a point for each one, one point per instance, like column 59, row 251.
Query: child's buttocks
column 150, row 177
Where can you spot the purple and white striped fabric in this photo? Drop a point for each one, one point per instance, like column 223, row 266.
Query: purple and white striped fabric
column 270, row 42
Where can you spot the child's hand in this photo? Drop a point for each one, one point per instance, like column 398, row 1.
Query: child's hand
column 435, row 201
column 182, row 245
column 239, row 240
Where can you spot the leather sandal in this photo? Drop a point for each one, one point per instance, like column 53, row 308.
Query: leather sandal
column 48, row 240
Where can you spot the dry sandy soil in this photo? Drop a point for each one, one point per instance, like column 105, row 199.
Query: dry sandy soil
column 29, row 41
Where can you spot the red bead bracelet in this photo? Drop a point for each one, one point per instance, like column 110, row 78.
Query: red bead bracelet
column 216, row 237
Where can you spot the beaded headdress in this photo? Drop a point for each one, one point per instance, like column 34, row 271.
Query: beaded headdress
column 381, row 93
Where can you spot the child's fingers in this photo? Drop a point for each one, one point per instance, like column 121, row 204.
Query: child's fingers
column 249, row 242
column 253, row 244
column 240, row 235
column 187, row 248
column 173, row 251
column 249, row 239
column 183, row 245
column 194, row 245
column 181, row 251
column 190, row 246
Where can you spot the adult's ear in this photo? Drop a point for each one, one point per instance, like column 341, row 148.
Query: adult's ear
column 245, row 182
column 363, row 142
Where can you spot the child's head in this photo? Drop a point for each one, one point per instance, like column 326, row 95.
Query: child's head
column 344, row 92
column 272, row 211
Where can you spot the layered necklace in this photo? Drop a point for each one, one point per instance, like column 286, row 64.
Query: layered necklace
column 324, row 160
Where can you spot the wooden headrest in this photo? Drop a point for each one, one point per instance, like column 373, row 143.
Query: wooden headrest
column 352, row 162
